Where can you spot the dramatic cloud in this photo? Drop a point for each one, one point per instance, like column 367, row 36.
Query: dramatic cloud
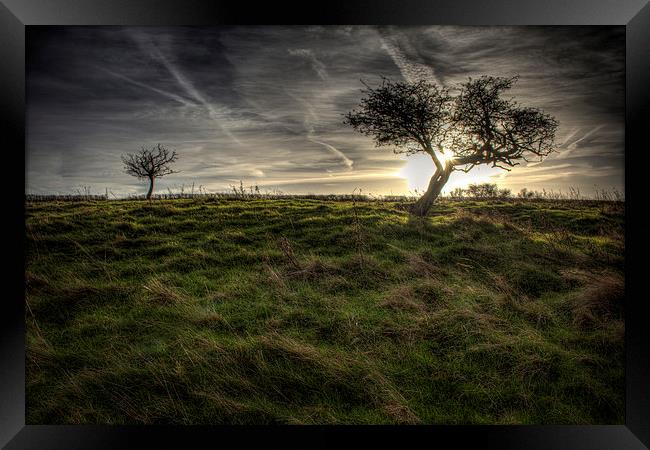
column 264, row 104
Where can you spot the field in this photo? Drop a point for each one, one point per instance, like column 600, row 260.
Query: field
column 307, row 311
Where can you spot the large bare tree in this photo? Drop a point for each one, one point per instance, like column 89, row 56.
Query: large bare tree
column 149, row 164
column 476, row 126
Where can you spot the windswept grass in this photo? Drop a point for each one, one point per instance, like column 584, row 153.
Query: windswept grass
column 309, row 311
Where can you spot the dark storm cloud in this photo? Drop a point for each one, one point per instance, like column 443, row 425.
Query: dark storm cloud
column 265, row 104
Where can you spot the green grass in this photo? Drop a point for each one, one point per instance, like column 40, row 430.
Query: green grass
column 297, row 311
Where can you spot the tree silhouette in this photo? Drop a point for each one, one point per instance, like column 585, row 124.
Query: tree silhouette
column 149, row 164
column 477, row 126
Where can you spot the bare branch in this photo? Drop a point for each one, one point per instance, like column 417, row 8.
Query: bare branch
column 149, row 164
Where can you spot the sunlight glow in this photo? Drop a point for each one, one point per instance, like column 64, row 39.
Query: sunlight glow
column 419, row 169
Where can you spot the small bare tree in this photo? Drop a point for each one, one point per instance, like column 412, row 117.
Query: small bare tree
column 149, row 164
column 477, row 126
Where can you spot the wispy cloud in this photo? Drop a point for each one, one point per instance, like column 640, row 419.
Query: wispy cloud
column 569, row 139
column 310, row 119
column 587, row 137
column 170, row 95
column 411, row 69
column 571, row 142
column 150, row 47
column 316, row 64
column 347, row 161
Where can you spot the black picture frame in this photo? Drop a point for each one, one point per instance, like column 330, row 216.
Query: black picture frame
column 15, row 15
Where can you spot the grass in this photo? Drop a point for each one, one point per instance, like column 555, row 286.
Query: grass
column 308, row 311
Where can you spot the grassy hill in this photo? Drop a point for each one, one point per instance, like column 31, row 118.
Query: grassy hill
column 206, row 311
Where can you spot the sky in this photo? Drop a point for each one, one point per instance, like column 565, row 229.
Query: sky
column 265, row 104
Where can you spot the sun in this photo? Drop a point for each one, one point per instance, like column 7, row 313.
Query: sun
column 419, row 169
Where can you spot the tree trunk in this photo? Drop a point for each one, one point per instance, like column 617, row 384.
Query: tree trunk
column 437, row 182
column 150, row 188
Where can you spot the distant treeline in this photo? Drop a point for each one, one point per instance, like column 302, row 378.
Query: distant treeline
column 492, row 191
column 221, row 195
column 474, row 191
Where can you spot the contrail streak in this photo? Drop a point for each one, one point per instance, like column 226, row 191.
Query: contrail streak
column 568, row 141
column 311, row 117
column 589, row 134
column 347, row 161
column 186, row 85
column 411, row 71
column 316, row 64
column 178, row 98
column 568, row 146
column 572, row 146
column 189, row 88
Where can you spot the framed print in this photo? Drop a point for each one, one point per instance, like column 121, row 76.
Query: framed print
column 413, row 219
